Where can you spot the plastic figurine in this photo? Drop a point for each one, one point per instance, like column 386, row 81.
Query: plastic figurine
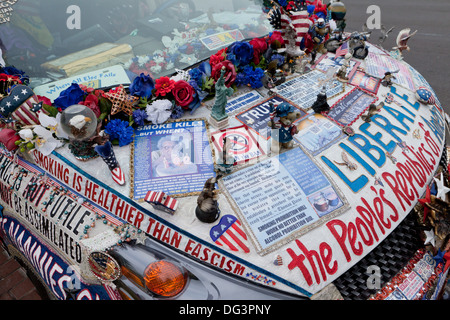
column 402, row 40
column 384, row 33
column 226, row 160
column 218, row 112
column 283, row 130
column 319, row 32
column 207, row 205
column 373, row 109
column 341, row 74
column 321, row 104
column 387, row 79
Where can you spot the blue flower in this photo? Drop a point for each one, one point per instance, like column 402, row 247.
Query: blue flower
column 72, row 95
column 278, row 57
column 177, row 112
column 139, row 116
column 142, row 86
column 120, row 129
column 13, row 71
column 242, row 52
column 254, row 76
column 282, row 3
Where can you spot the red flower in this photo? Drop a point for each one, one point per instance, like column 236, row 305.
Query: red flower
column 163, row 86
column 218, row 57
column 276, row 39
column 45, row 100
column 259, row 47
column 91, row 102
column 183, row 93
column 230, row 72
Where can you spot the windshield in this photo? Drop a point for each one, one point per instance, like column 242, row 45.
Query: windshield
column 56, row 39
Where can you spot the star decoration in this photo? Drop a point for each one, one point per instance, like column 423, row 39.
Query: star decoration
column 121, row 101
column 425, row 200
column 431, row 238
column 441, row 189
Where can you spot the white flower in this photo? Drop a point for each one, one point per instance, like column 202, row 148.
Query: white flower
column 54, row 124
column 26, row 134
column 159, row 111
column 45, row 142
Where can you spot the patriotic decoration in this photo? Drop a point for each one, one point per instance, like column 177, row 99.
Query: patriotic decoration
column 425, row 95
column 299, row 22
column 161, row 201
column 21, row 106
column 342, row 50
column 107, row 153
column 229, row 233
column 121, row 101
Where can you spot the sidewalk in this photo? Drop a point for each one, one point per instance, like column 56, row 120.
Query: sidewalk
column 14, row 282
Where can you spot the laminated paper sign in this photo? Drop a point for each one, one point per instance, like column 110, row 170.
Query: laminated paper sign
column 174, row 157
column 283, row 196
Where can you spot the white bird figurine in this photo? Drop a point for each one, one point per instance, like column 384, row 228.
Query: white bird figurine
column 79, row 121
column 402, row 39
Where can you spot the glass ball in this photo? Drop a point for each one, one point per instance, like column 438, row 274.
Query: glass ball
column 79, row 122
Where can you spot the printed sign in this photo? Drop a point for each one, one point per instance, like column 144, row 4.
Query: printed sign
column 280, row 196
column 303, row 90
column 378, row 65
column 243, row 145
column 316, row 133
column 111, row 76
column 244, row 100
column 328, row 61
column 365, row 82
column 350, row 107
column 257, row 116
column 173, row 157
column 219, row 40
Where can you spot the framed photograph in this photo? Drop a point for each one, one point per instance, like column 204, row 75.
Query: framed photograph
column 365, row 82
column 174, row 157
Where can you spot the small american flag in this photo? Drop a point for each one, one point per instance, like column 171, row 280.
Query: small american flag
column 162, row 201
column 229, row 233
column 342, row 50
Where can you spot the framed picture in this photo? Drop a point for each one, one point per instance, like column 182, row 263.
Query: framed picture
column 174, row 157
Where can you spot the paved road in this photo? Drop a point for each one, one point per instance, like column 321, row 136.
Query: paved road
column 430, row 47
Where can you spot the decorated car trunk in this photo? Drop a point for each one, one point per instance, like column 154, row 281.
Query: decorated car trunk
column 274, row 166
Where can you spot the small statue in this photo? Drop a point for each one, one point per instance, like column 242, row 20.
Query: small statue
column 283, row 130
column 387, row 79
column 319, row 32
column 402, row 40
column 222, row 92
column 321, row 104
column 373, row 109
column 341, row 74
column 207, row 206
column 226, row 161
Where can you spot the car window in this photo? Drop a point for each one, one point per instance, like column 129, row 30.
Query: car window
column 55, row 39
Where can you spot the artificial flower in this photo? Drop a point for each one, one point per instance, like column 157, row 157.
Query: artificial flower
column 159, row 111
column 142, row 86
column 183, row 93
column 177, row 112
column 53, row 124
column 44, row 100
column 26, row 135
column 45, row 143
column 139, row 116
column 121, row 130
column 91, row 102
column 276, row 39
column 218, row 57
column 254, row 76
column 163, row 86
column 241, row 52
column 230, row 72
column 70, row 96
column 259, row 47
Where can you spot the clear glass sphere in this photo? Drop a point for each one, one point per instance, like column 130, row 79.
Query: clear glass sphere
column 79, row 122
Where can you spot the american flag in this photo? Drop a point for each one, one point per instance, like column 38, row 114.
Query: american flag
column 299, row 21
column 342, row 50
column 20, row 105
column 229, row 233
column 161, row 200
